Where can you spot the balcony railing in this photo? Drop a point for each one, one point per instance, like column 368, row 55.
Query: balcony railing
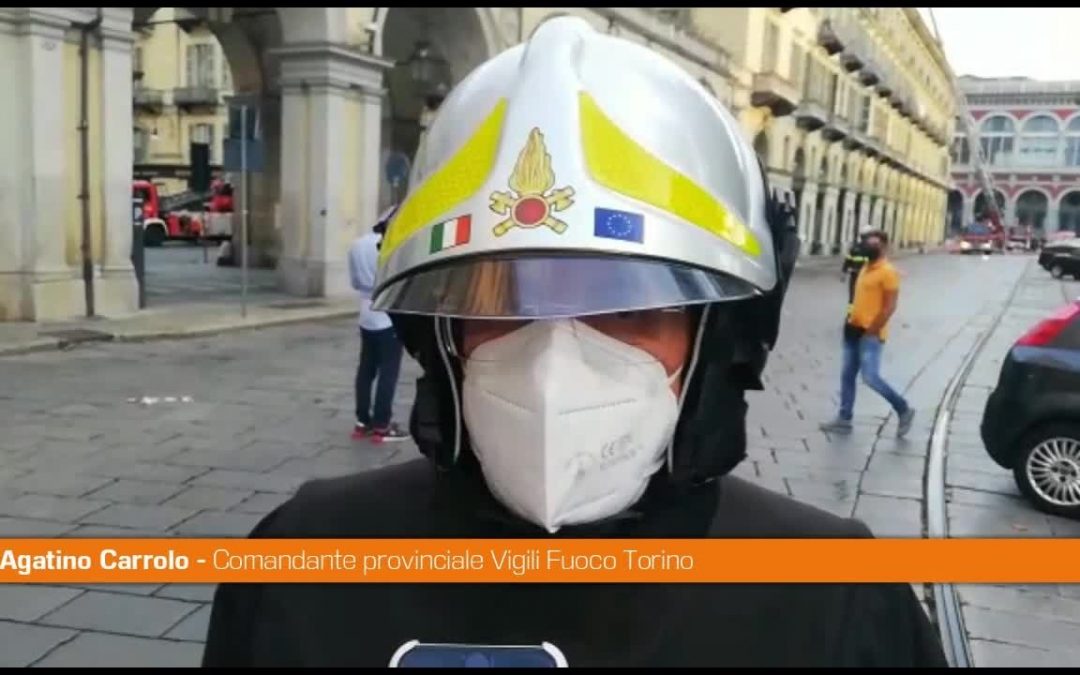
column 143, row 97
column 889, row 78
column 836, row 128
column 870, row 74
column 854, row 55
column 196, row 96
column 774, row 91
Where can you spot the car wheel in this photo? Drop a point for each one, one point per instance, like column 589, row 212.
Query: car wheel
column 1048, row 469
column 1057, row 272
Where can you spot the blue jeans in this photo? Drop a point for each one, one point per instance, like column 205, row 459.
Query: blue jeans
column 864, row 355
column 380, row 356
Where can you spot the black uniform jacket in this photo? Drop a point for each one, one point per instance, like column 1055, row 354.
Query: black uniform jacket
column 594, row 624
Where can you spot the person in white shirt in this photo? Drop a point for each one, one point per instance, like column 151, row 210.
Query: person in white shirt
column 380, row 349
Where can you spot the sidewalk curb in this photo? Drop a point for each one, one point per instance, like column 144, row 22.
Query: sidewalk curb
column 229, row 327
column 40, row 345
column 121, row 336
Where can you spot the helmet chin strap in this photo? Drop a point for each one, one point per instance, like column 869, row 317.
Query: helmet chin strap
column 687, row 376
column 446, row 349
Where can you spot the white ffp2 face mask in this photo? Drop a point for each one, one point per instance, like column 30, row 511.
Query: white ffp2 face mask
column 568, row 423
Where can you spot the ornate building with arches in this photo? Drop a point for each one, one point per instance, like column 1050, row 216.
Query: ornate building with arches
column 1029, row 133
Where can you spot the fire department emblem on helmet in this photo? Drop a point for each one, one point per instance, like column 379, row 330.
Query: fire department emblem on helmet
column 531, row 201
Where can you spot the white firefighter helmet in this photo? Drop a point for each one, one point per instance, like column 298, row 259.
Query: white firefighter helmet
column 576, row 174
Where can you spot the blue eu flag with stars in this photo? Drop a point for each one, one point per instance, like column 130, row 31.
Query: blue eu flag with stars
column 621, row 225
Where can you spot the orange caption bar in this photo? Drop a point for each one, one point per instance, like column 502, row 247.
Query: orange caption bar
column 539, row 560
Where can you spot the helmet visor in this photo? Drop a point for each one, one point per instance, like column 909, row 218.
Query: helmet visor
column 545, row 287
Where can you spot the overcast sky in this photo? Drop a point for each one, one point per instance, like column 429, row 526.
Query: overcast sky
column 1040, row 43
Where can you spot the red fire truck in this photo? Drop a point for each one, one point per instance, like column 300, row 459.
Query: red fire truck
column 188, row 216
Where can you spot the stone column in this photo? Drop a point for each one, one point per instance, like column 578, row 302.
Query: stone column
column 371, row 173
column 828, row 218
column 1050, row 224
column 326, row 93
column 116, row 289
column 866, row 206
column 887, row 213
column 845, row 216
column 36, row 281
column 900, row 217
column 806, row 216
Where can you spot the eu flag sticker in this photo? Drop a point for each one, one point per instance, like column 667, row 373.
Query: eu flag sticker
column 621, row 225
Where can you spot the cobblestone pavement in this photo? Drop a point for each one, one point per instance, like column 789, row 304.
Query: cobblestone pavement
column 184, row 272
column 202, row 437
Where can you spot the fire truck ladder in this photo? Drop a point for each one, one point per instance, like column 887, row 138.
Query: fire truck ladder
column 986, row 183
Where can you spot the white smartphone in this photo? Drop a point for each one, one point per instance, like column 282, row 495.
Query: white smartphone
column 416, row 654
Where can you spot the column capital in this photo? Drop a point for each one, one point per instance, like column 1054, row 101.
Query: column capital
column 116, row 32
column 36, row 21
column 333, row 66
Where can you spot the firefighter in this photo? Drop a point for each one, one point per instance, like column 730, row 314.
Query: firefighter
column 589, row 269
column 853, row 264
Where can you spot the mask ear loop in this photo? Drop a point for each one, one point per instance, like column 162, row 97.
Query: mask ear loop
column 445, row 350
column 690, row 370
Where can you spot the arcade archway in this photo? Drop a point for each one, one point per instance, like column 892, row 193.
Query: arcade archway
column 1069, row 212
column 188, row 65
column 1031, row 209
column 956, row 211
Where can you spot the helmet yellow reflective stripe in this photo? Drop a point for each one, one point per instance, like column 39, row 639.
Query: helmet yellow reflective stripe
column 457, row 180
column 613, row 159
column 620, row 164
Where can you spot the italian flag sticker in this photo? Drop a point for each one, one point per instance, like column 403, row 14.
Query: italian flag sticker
column 450, row 233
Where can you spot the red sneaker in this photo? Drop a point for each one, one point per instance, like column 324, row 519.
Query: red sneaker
column 359, row 431
column 389, row 434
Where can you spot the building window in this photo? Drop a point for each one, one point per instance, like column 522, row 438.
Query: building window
column 1039, row 142
column 772, row 46
column 200, row 66
column 996, row 140
column 881, row 123
column 1072, row 143
column 832, row 85
column 203, row 133
column 797, row 65
column 864, row 113
column 960, row 151
column 137, row 60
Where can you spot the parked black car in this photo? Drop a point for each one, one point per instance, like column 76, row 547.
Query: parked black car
column 1064, row 264
column 1031, row 423
column 1050, row 250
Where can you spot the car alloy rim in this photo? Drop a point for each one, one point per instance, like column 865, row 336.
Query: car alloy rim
column 1053, row 469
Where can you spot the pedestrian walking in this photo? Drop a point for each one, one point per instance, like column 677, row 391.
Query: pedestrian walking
column 865, row 332
column 587, row 335
column 380, row 349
